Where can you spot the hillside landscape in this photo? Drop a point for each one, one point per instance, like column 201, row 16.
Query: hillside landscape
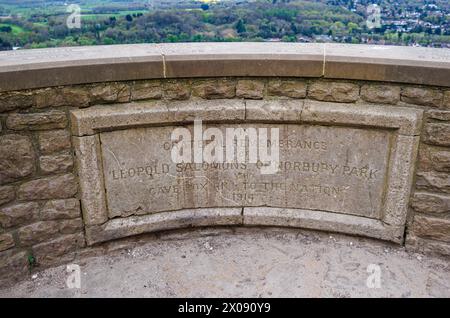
column 43, row 23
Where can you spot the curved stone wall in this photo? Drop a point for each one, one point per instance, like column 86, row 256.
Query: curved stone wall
column 63, row 149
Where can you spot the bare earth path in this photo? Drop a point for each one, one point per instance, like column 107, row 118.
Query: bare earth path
column 248, row 263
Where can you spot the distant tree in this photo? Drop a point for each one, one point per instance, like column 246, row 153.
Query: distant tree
column 6, row 29
column 240, row 26
column 204, row 6
column 129, row 18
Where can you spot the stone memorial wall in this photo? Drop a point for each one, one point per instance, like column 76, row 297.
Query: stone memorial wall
column 87, row 144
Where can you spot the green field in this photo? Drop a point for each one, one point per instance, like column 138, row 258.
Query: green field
column 15, row 28
column 92, row 16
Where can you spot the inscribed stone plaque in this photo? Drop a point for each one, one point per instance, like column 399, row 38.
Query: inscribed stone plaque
column 327, row 168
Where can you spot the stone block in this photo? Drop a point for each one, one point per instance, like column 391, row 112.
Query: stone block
column 18, row 214
column 54, row 141
column 177, row 90
column 56, row 163
column 437, row 134
column 287, row 88
column 37, row 121
column 422, row 96
column 250, row 89
column 146, row 90
column 16, row 158
column 6, row 241
column 214, row 89
column 430, row 202
column 58, row 187
column 334, row 92
column 384, row 94
column 7, row 194
column 50, row 253
column 61, row 209
column 432, row 228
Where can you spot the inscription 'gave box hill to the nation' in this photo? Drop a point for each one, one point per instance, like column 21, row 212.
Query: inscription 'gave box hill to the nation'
column 329, row 168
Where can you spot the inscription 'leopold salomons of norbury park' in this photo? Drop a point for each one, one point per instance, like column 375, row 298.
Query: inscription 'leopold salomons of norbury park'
column 327, row 168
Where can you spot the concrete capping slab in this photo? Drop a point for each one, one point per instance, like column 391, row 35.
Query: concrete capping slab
column 26, row 69
column 324, row 221
column 400, row 64
column 134, row 225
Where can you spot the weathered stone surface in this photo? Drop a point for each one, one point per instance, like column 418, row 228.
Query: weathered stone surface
column 76, row 96
column 51, row 252
column 433, row 158
column 134, row 225
column 430, row 202
column 422, row 96
column 287, row 88
column 441, row 160
column 329, row 162
column 438, row 114
column 146, row 90
column 266, row 110
column 322, row 221
column 151, row 182
column 408, row 121
column 7, row 194
column 385, row 94
column 71, row 226
column 45, row 230
column 16, row 158
column 214, row 89
column 37, row 121
column 446, row 102
column 401, row 172
column 48, row 97
column 16, row 100
column 437, row 134
column 56, row 163
column 53, row 141
column 110, row 92
column 13, row 264
column 334, row 92
column 177, row 90
column 90, row 172
column 251, row 89
column 421, row 245
column 18, row 214
column 37, row 232
column 59, row 187
column 88, row 121
column 432, row 228
column 435, row 181
column 61, row 209
column 6, row 241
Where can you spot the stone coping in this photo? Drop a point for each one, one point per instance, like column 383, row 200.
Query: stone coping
column 26, row 69
column 248, row 216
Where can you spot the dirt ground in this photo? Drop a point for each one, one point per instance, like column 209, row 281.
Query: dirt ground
column 247, row 262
